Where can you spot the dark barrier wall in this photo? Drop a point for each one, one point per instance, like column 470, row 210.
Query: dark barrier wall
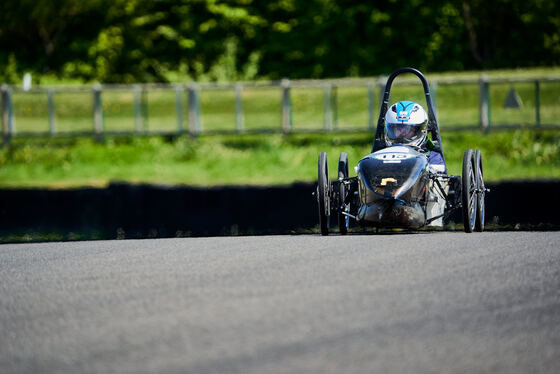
column 141, row 211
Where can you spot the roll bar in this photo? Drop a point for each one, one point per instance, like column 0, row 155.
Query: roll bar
column 379, row 140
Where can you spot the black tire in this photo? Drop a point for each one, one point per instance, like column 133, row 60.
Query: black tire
column 468, row 193
column 323, row 194
column 343, row 173
column 481, row 194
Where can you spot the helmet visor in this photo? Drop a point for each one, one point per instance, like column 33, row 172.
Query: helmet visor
column 402, row 133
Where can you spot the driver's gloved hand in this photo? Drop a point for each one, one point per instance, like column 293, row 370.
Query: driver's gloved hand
column 433, row 146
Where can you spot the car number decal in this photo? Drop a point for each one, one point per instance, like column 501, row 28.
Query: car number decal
column 392, row 158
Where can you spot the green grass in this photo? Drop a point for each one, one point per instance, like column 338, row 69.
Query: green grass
column 273, row 159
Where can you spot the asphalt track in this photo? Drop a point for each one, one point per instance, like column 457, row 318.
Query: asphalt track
column 401, row 303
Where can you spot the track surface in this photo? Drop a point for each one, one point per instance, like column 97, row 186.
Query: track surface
column 422, row 303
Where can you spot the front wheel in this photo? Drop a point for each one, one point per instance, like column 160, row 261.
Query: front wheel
column 342, row 191
column 323, row 194
column 481, row 192
column 468, row 194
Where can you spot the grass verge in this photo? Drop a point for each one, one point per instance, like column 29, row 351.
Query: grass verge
column 272, row 159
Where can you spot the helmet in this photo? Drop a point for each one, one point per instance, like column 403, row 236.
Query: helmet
column 406, row 123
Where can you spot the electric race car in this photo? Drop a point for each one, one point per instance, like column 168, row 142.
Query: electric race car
column 403, row 182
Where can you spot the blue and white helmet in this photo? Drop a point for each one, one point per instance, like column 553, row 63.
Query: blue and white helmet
column 406, row 123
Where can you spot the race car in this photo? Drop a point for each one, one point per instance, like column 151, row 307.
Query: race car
column 403, row 182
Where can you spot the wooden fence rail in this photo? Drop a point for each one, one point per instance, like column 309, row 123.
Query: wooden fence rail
column 189, row 94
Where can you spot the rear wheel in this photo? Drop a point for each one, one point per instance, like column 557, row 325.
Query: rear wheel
column 323, row 194
column 468, row 194
column 342, row 190
column 481, row 191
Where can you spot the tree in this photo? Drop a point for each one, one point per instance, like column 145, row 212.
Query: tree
column 147, row 40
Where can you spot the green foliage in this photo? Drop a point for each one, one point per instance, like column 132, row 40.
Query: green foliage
column 521, row 154
column 146, row 40
column 250, row 159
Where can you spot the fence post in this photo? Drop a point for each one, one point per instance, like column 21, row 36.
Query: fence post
column 484, row 107
column 286, row 106
column 11, row 116
column 334, row 106
column 194, row 111
column 8, row 118
column 97, row 110
column 50, row 104
column 179, row 108
column 138, row 118
column 381, row 89
column 144, row 108
column 433, row 95
column 370, row 106
column 239, row 120
column 538, row 103
column 5, row 114
column 327, row 119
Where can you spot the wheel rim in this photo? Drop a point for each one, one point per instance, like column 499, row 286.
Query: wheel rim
column 469, row 191
column 323, row 196
column 472, row 197
column 343, row 220
column 481, row 193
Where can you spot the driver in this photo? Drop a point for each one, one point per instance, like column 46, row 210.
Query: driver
column 406, row 123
